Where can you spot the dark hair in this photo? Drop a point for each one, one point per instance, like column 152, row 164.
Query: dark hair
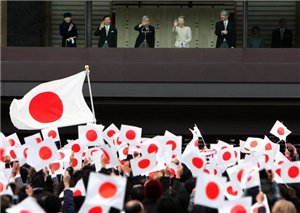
column 168, row 204
column 255, row 28
column 133, row 206
column 106, row 16
column 67, row 15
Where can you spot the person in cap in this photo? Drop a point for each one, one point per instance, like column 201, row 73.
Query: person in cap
column 108, row 33
column 68, row 31
column 225, row 31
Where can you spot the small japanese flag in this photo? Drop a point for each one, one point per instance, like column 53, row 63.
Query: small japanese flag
column 227, row 157
column 291, row 172
column 29, row 204
column 255, row 144
column 21, row 153
column 143, row 165
column 13, row 140
column 209, row 190
column 130, row 134
column 33, row 139
column 109, row 133
column 106, row 190
column 42, row 154
column 79, row 189
column 151, row 146
column 123, row 152
column 194, row 161
column 173, row 143
column 91, row 207
column 280, row 131
column 91, row 134
column 51, row 132
column 56, row 167
column 241, row 205
column 233, row 190
column 76, row 146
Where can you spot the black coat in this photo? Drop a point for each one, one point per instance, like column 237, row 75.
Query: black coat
column 63, row 30
column 111, row 38
column 150, row 36
column 230, row 37
column 286, row 42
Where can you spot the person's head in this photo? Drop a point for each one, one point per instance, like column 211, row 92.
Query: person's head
column 106, row 20
column 137, row 192
column 168, row 204
column 224, row 14
column 146, row 20
column 153, row 190
column 49, row 202
column 282, row 23
column 180, row 21
column 68, row 17
column 284, row 206
column 5, row 203
column 255, row 31
column 134, row 206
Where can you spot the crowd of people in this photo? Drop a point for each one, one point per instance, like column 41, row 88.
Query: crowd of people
column 161, row 191
column 225, row 31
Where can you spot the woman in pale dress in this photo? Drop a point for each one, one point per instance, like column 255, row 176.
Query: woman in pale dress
column 183, row 33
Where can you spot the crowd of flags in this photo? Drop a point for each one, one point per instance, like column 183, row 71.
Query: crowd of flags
column 60, row 103
column 153, row 154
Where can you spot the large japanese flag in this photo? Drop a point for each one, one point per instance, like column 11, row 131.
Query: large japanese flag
column 56, row 103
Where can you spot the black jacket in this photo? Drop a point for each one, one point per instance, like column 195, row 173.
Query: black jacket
column 230, row 37
column 286, row 42
column 63, row 30
column 111, row 38
column 150, row 36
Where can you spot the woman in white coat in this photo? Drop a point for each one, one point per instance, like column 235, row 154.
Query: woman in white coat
column 183, row 33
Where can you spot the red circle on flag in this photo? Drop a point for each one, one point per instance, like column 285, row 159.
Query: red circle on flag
column 75, row 162
column 12, row 142
column 61, row 155
column 75, row 147
column 130, row 135
column 267, row 158
column 173, row 143
column 238, row 209
column 226, row 156
column 45, row 153
column 77, row 193
column 268, row 146
column 239, row 175
column 231, row 191
column 38, row 140
column 1, row 187
column 46, row 107
column 107, row 190
column 143, row 164
column 152, row 148
column 253, row 144
column 52, row 134
column 278, row 172
column 96, row 209
column 111, row 133
column 293, row 172
column 197, row 162
column 55, row 166
column 25, row 152
column 91, row 135
column 125, row 151
column 25, row 211
column 280, row 131
column 212, row 190
column 12, row 154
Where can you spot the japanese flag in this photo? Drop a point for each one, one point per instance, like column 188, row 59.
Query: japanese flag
column 280, row 131
column 173, row 143
column 131, row 135
column 21, row 153
column 106, row 190
column 91, row 134
column 209, row 190
column 56, row 103
column 143, row 165
column 13, row 140
column 109, row 133
column 255, row 144
column 29, row 204
column 79, row 189
column 241, row 205
column 91, row 207
column 151, row 146
column 57, row 167
column 227, row 157
column 51, row 132
column 42, row 154
column 123, row 152
column 233, row 190
column 76, row 161
column 75, row 145
column 291, row 172
column 194, row 161
column 33, row 139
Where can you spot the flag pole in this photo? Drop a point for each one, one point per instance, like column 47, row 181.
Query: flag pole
column 87, row 69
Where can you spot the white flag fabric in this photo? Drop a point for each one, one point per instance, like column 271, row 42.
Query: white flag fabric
column 56, row 103
column 27, row 205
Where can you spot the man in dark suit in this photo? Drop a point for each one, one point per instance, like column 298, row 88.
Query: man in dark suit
column 146, row 37
column 282, row 37
column 225, row 30
column 68, row 31
column 108, row 34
